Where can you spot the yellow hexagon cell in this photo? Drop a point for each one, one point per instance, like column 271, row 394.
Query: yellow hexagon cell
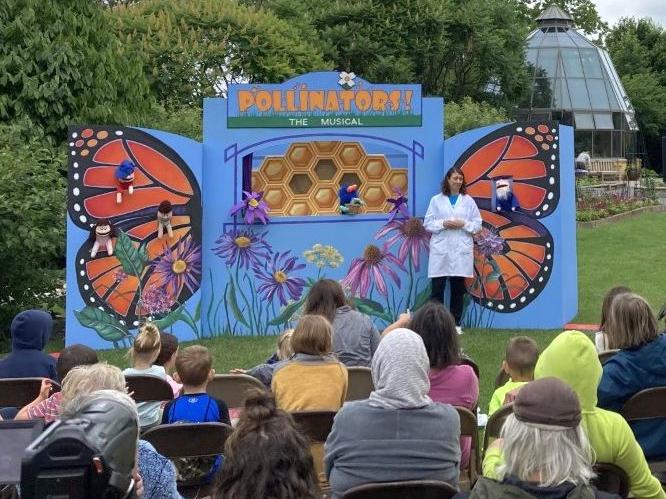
column 299, row 208
column 275, row 169
column 374, row 196
column 325, row 169
column 275, row 197
column 375, row 167
column 397, row 179
column 350, row 154
column 326, row 147
column 300, row 155
column 258, row 182
column 325, row 199
column 349, row 178
column 300, row 183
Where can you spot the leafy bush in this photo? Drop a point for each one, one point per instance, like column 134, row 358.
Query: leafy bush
column 597, row 207
column 468, row 114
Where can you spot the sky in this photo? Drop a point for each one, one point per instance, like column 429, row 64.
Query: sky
column 612, row 10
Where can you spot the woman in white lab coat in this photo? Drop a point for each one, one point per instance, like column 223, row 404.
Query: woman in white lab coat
column 452, row 218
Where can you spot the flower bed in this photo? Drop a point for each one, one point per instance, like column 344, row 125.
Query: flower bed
column 598, row 207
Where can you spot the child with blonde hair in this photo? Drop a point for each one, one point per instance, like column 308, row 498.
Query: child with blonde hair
column 264, row 372
column 144, row 353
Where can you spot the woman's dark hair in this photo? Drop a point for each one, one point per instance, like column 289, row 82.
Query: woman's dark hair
column 168, row 348
column 72, row 356
column 445, row 181
column 266, row 456
column 608, row 301
column 324, row 298
column 436, row 326
column 164, row 207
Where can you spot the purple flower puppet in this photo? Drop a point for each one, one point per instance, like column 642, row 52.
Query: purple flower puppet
column 155, row 300
column 399, row 203
column 243, row 246
column 489, row 243
column 371, row 267
column 253, row 208
column 411, row 234
column 180, row 266
column 276, row 279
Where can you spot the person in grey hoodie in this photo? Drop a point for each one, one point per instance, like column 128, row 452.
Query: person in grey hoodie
column 399, row 433
column 355, row 338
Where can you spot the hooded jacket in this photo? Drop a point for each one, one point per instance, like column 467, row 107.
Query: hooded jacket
column 573, row 358
column 511, row 488
column 30, row 332
column 627, row 373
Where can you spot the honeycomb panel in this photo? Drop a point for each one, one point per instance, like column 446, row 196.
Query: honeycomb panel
column 375, row 168
column 276, row 197
column 325, row 169
column 258, row 182
column 300, row 154
column 349, row 178
column 326, row 147
column 350, row 154
column 300, row 183
column 299, row 208
column 397, row 179
column 275, row 169
column 325, row 199
column 374, row 195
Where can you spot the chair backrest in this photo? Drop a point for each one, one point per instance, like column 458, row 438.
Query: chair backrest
column 469, row 428
column 360, row 383
column 145, row 388
column 646, row 404
column 495, row 423
column 19, row 392
column 413, row 489
column 607, row 354
column 465, row 360
column 611, row 479
column 232, row 388
column 501, row 378
column 315, row 424
column 188, row 439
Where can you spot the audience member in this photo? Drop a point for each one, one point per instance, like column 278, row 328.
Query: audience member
column 355, row 338
column 600, row 337
column 520, row 358
column 167, row 359
column 312, row 379
column 46, row 406
column 266, row 456
column 399, row 433
column 572, row 357
column 156, row 472
column 30, row 332
column 143, row 353
column 640, row 364
column 546, row 452
column 450, row 382
column 194, row 371
column 264, row 372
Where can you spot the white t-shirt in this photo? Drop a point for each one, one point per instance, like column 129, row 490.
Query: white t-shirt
column 149, row 412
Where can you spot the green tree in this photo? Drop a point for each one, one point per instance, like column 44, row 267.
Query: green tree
column 584, row 12
column 195, row 49
column 468, row 114
column 648, row 95
column 59, row 63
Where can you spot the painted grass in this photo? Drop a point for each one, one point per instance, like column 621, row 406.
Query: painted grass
column 631, row 252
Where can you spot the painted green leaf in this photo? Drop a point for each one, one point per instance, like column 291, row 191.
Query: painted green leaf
column 233, row 301
column 422, row 298
column 169, row 319
column 286, row 314
column 493, row 276
column 130, row 257
column 370, row 307
column 197, row 311
column 107, row 326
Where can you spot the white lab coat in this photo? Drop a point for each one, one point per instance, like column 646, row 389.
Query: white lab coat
column 451, row 250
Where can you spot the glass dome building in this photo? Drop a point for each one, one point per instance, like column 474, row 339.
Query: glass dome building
column 574, row 81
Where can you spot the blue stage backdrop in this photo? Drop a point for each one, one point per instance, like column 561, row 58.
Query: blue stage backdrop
column 283, row 152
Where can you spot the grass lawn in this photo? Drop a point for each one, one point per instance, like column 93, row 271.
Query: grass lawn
column 630, row 252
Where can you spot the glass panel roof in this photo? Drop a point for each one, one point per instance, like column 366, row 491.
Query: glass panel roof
column 590, row 60
column 578, row 92
column 603, row 121
column 572, row 65
column 598, row 97
column 584, row 121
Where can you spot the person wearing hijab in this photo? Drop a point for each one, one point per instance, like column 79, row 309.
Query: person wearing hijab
column 399, row 433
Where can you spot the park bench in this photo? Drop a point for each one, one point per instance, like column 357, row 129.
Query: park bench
column 603, row 167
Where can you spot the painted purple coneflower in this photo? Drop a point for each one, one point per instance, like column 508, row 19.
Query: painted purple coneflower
column 180, row 266
column 253, row 208
column 243, row 246
column 412, row 236
column 276, row 278
column 369, row 269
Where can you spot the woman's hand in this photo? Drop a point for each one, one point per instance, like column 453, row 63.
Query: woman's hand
column 45, row 389
column 454, row 224
column 237, row 371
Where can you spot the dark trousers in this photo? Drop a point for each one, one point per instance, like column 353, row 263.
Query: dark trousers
column 458, row 290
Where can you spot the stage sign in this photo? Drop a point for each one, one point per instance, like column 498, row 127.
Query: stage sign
column 322, row 100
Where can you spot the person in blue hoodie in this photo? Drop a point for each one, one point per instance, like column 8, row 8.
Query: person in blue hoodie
column 30, row 331
column 640, row 364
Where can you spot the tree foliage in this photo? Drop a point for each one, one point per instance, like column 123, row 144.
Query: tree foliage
column 59, row 64
column 468, row 114
column 195, row 49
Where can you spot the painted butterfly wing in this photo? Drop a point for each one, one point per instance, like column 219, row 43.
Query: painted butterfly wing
column 528, row 154
column 509, row 279
column 160, row 174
